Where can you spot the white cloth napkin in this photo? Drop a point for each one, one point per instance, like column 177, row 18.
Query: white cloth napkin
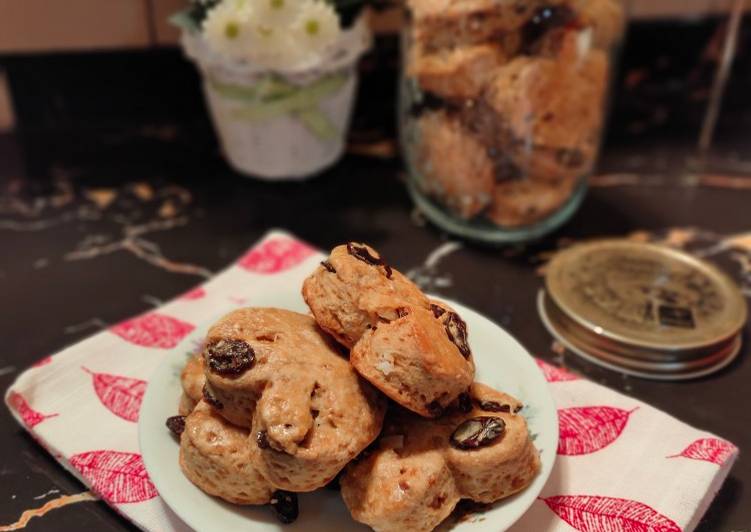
column 622, row 465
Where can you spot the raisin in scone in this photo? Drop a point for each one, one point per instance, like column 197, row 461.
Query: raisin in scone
column 354, row 290
column 276, row 372
column 420, row 360
column 215, row 456
column 453, row 164
column 420, row 469
column 192, row 380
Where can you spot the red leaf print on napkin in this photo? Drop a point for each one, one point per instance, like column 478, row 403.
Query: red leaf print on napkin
column 712, row 450
column 42, row 362
column 275, row 255
column 153, row 330
column 555, row 374
column 609, row 514
column 120, row 395
column 192, row 295
column 31, row 418
column 587, row 429
column 116, row 476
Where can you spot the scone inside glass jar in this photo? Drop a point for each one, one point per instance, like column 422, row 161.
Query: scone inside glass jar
column 502, row 108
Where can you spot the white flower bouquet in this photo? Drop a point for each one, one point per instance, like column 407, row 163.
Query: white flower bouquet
column 279, row 78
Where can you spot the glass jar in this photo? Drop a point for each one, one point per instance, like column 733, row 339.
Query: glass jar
column 502, row 106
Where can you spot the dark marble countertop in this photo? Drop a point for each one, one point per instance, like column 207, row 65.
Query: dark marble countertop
column 114, row 200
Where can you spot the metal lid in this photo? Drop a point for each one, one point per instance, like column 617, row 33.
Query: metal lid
column 642, row 306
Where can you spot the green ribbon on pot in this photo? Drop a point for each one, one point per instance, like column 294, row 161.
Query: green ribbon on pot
column 272, row 97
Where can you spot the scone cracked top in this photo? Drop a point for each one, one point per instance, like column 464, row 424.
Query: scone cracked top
column 420, row 469
column 354, row 290
column 276, row 373
column 421, row 360
column 415, row 351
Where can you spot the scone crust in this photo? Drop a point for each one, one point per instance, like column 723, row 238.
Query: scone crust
column 413, row 361
column 356, row 295
column 371, row 486
column 309, row 412
column 215, row 456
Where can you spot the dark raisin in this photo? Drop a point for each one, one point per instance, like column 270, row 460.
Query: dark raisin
column 229, row 356
column 401, row 312
column 543, row 20
column 434, row 408
column 437, row 501
column 209, row 398
column 326, row 264
column 493, row 406
column 438, row 310
column 518, row 408
column 477, row 432
column 362, row 253
column 457, row 333
column 464, row 402
column 262, row 439
column 284, row 505
column 176, row 424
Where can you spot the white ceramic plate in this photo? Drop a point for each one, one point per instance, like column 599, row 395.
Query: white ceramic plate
column 501, row 363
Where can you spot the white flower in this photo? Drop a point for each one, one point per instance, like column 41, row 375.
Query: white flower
column 316, row 28
column 271, row 46
column 226, row 28
column 276, row 13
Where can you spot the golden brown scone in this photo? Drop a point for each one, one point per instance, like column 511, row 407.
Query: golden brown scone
column 277, row 373
column 606, row 18
column 215, row 456
column 525, row 202
column 420, row 360
column 192, row 380
column 392, row 492
column 551, row 103
column 508, row 465
column 186, row 405
column 454, row 165
column 354, row 290
column 449, row 24
column 455, row 74
column 553, row 109
column 480, row 450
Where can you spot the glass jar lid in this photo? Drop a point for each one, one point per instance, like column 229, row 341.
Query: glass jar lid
column 646, row 308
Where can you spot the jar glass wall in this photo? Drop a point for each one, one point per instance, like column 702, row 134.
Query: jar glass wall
column 502, row 108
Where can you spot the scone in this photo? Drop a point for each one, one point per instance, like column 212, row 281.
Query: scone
column 455, row 74
column 480, row 450
column 354, row 290
column 554, row 107
column 192, row 380
column 606, row 18
column 550, row 103
column 450, row 24
column 215, row 456
column 274, row 371
column 525, row 202
column 453, row 164
column 420, row 360
column 415, row 355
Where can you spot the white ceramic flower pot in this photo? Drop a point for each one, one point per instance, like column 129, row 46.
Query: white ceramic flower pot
column 281, row 125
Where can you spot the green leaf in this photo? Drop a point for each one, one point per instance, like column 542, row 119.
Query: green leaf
column 318, row 123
